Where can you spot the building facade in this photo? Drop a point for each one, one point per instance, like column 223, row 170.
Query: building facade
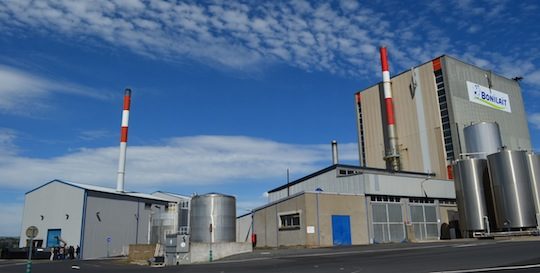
column 348, row 205
column 100, row 220
column 432, row 103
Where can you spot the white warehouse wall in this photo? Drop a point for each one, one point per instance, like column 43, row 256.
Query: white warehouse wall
column 117, row 221
column 54, row 201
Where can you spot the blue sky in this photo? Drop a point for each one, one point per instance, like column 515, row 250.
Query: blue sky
column 226, row 95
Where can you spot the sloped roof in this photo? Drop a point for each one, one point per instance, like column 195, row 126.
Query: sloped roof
column 103, row 190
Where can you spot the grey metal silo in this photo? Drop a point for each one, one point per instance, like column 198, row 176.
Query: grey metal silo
column 511, row 191
column 533, row 161
column 482, row 139
column 213, row 218
column 470, row 175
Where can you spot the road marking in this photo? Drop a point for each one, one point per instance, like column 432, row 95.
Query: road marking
column 487, row 269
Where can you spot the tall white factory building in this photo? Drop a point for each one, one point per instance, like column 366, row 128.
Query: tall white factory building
column 432, row 103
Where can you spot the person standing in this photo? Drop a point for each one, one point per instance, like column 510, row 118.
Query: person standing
column 71, row 252
column 78, row 252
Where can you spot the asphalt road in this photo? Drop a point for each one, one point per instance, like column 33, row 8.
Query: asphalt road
column 450, row 257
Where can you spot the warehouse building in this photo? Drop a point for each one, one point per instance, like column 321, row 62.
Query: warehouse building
column 344, row 205
column 432, row 103
column 102, row 221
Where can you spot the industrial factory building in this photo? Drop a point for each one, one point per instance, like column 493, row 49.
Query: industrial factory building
column 416, row 132
column 432, row 103
column 412, row 128
column 102, row 221
column 344, row 205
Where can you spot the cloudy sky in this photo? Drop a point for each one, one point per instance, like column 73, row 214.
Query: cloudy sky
column 226, row 95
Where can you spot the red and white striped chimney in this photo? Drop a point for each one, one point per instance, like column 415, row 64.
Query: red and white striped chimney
column 123, row 141
column 392, row 152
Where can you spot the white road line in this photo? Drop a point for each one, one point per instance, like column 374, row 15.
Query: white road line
column 487, row 269
column 13, row 264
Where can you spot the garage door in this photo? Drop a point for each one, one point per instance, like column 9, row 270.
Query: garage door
column 387, row 221
column 424, row 221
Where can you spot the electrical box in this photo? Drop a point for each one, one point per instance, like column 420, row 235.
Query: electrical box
column 182, row 243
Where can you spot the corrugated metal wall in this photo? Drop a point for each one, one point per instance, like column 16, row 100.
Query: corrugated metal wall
column 123, row 221
column 431, row 154
column 514, row 128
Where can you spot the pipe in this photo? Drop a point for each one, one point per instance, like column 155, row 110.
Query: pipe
column 123, row 141
column 392, row 152
column 335, row 159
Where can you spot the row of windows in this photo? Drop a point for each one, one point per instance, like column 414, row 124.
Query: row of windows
column 421, row 200
column 445, row 120
column 361, row 133
column 385, row 198
column 347, row 172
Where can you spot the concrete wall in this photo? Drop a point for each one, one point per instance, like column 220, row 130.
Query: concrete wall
column 243, row 229
column 267, row 226
column 318, row 218
column 141, row 252
column 124, row 221
column 417, row 118
column 327, row 204
column 200, row 252
column 54, row 201
column 373, row 127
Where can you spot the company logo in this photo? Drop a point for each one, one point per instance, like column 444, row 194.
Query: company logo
column 488, row 97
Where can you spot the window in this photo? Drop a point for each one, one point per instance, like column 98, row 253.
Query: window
column 289, row 221
column 147, row 206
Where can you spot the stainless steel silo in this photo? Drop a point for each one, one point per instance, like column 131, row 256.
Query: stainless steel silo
column 482, row 139
column 469, row 178
column 533, row 161
column 511, row 191
column 213, row 218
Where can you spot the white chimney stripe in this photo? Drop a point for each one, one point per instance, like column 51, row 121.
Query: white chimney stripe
column 125, row 118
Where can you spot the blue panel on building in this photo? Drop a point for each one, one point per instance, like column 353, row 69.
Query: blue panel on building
column 53, row 236
column 341, row 229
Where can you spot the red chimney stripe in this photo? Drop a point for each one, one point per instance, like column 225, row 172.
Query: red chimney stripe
column 127, row 102
column 450, row 171
column 437, row 64
column 384, row 59
column 389, row 111
column 124, row 134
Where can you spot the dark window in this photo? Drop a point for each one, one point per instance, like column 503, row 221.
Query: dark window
column 147, row 206
column 289, row 221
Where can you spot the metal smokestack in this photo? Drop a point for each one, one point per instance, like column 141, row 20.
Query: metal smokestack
column 123, row 141
column 335, row 159
column 392, row 152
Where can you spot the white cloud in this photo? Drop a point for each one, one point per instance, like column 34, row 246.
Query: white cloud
column 7, row 138
column 11, row 215
column 21, row 91
column 182, row 161
column 532, row 78
column 311, row 36
column 534, row 120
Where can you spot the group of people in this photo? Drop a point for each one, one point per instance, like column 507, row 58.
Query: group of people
column 64, row 252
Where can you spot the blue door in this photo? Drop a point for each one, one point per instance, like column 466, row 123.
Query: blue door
column 341, row 230
column 52, row 237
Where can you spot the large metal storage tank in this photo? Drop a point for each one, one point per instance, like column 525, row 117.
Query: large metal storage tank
column 510, row 189
column 482, row 139
column 533, row 161
column 469, row 178
column 213, row 218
